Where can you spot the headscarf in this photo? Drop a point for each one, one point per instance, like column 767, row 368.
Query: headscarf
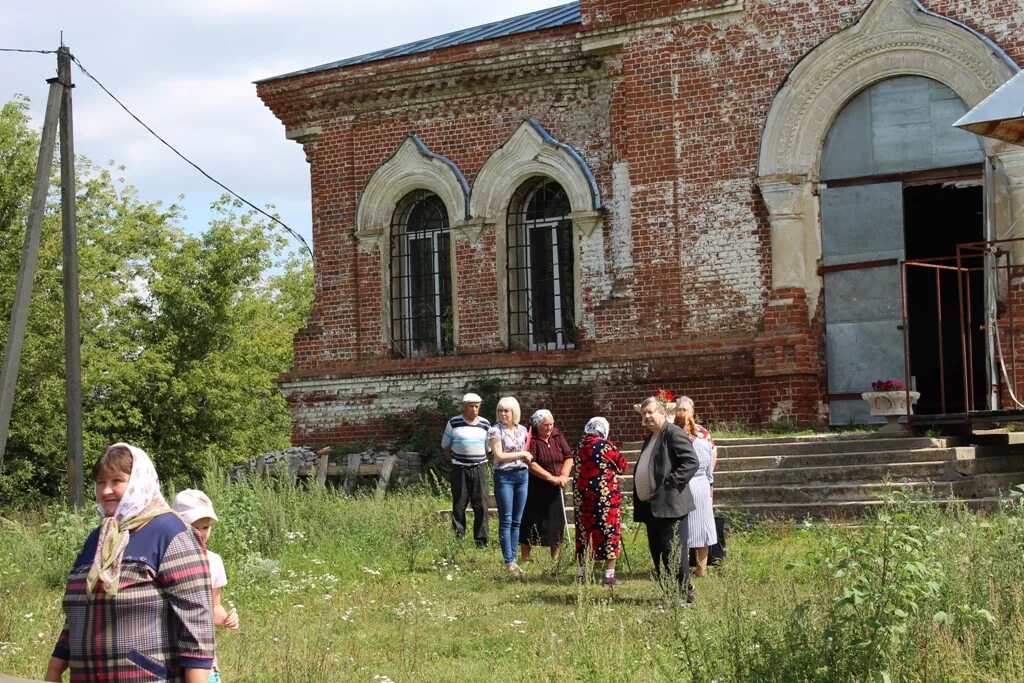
column 541, row 414
column 598, row 426
column 141, row 502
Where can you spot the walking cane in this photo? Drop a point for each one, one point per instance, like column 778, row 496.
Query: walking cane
column 565, row 515
column 625, row 557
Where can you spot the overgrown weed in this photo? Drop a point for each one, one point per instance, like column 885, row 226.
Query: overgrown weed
column 332, row 588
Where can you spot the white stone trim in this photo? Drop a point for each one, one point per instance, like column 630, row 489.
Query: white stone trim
column 531, row 152
column 412, row 167
column 892, row 38
column 1009, row 195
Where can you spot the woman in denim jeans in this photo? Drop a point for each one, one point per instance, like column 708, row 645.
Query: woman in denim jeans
column 508, row 442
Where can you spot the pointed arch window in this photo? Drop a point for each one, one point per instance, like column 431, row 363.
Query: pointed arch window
column 421, row 292
column 540, row 265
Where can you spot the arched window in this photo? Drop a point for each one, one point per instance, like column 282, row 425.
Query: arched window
column 540, row 258
column 421, row 290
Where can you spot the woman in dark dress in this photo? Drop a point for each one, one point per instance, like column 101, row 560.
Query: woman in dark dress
column 544, row 517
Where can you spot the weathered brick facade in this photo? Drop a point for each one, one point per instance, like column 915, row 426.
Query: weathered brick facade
column 666, row 103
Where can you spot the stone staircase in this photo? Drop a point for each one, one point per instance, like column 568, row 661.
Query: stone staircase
column 830, row 476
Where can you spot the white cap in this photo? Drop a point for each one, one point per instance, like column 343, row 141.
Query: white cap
column 193, row 504
column 472, row 398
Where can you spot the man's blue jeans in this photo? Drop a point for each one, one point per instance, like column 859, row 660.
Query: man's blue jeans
column 510, row 488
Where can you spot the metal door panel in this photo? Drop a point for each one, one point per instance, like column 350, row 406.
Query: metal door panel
column 863, row 295
column 861, row 225
column 859, row 353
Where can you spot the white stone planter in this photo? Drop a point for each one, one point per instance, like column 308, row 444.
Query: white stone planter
column 891, row 405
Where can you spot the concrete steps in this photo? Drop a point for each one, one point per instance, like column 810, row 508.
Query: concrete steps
column 839, row 510
column 779, row 461
column 729, row 449
column 842, row 476
column 983, row 485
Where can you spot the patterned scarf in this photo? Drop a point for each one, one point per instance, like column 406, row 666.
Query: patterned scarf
column 141, row 502
column 598, row 426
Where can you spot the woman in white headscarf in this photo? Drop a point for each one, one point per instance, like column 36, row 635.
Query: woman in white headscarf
column 550, row 471
column 597, row 499
column 138, row 602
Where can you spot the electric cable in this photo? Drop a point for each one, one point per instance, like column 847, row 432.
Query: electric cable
column 41, row 52
column 191, row 163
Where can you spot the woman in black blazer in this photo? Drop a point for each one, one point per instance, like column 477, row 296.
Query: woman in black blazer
column 661, row 495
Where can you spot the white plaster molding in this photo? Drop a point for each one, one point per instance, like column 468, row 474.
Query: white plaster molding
column 586, row 222
column 531, row 152
column 790, row 203
column 372, row 237
column 892, row 38
column 304, row 134
column 411, row 167
column 471, row 230
column 1010, row 216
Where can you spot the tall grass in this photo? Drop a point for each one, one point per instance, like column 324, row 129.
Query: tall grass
column 364, row 589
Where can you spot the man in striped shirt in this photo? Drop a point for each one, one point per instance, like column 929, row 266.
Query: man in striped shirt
column 465, row 442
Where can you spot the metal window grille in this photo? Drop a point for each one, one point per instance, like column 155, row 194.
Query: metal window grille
column 540, row 258
column 421, row 291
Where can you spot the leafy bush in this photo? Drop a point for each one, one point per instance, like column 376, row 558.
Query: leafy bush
column 63, row 538
column 420, row 430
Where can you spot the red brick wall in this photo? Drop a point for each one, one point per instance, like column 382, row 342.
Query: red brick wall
column 679, row 108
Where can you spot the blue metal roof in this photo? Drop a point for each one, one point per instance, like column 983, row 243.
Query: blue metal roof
column 525, row 23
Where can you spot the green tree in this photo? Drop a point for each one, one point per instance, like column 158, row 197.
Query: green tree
column 183, row 336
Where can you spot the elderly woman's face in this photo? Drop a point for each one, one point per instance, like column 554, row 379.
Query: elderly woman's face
column 545, row 426
column 505, row 415
column 686, row 411
column 653, row 417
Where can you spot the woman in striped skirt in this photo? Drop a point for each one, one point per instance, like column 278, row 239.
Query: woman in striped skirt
column 700, row 522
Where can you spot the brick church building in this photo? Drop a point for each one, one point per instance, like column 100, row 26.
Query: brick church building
column 591, row 201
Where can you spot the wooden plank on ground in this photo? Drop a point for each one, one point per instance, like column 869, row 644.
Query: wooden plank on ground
column 385, row 474
column 351, row 473
column 321, row 467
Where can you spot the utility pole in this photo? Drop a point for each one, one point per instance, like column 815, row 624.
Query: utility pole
column 29, row 256
column 58, row 106
column 72, row 327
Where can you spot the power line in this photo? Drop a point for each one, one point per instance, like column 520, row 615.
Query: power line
column 191, row 163
column 14, row 49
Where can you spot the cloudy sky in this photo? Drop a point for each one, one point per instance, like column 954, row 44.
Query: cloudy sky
column 186, row 68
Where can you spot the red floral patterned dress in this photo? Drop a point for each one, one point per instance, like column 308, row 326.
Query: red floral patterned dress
column 598, row 498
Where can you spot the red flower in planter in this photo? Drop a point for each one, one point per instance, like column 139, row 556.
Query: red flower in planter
column 887, row 385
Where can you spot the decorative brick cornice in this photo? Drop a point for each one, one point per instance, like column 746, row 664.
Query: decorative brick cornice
column 415, row 80
column 605, row 39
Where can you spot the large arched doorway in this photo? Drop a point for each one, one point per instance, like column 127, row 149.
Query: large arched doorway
column 898, row 182
column 892, row 39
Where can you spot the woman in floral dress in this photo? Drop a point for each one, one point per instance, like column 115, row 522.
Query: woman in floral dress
column 598, row 500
